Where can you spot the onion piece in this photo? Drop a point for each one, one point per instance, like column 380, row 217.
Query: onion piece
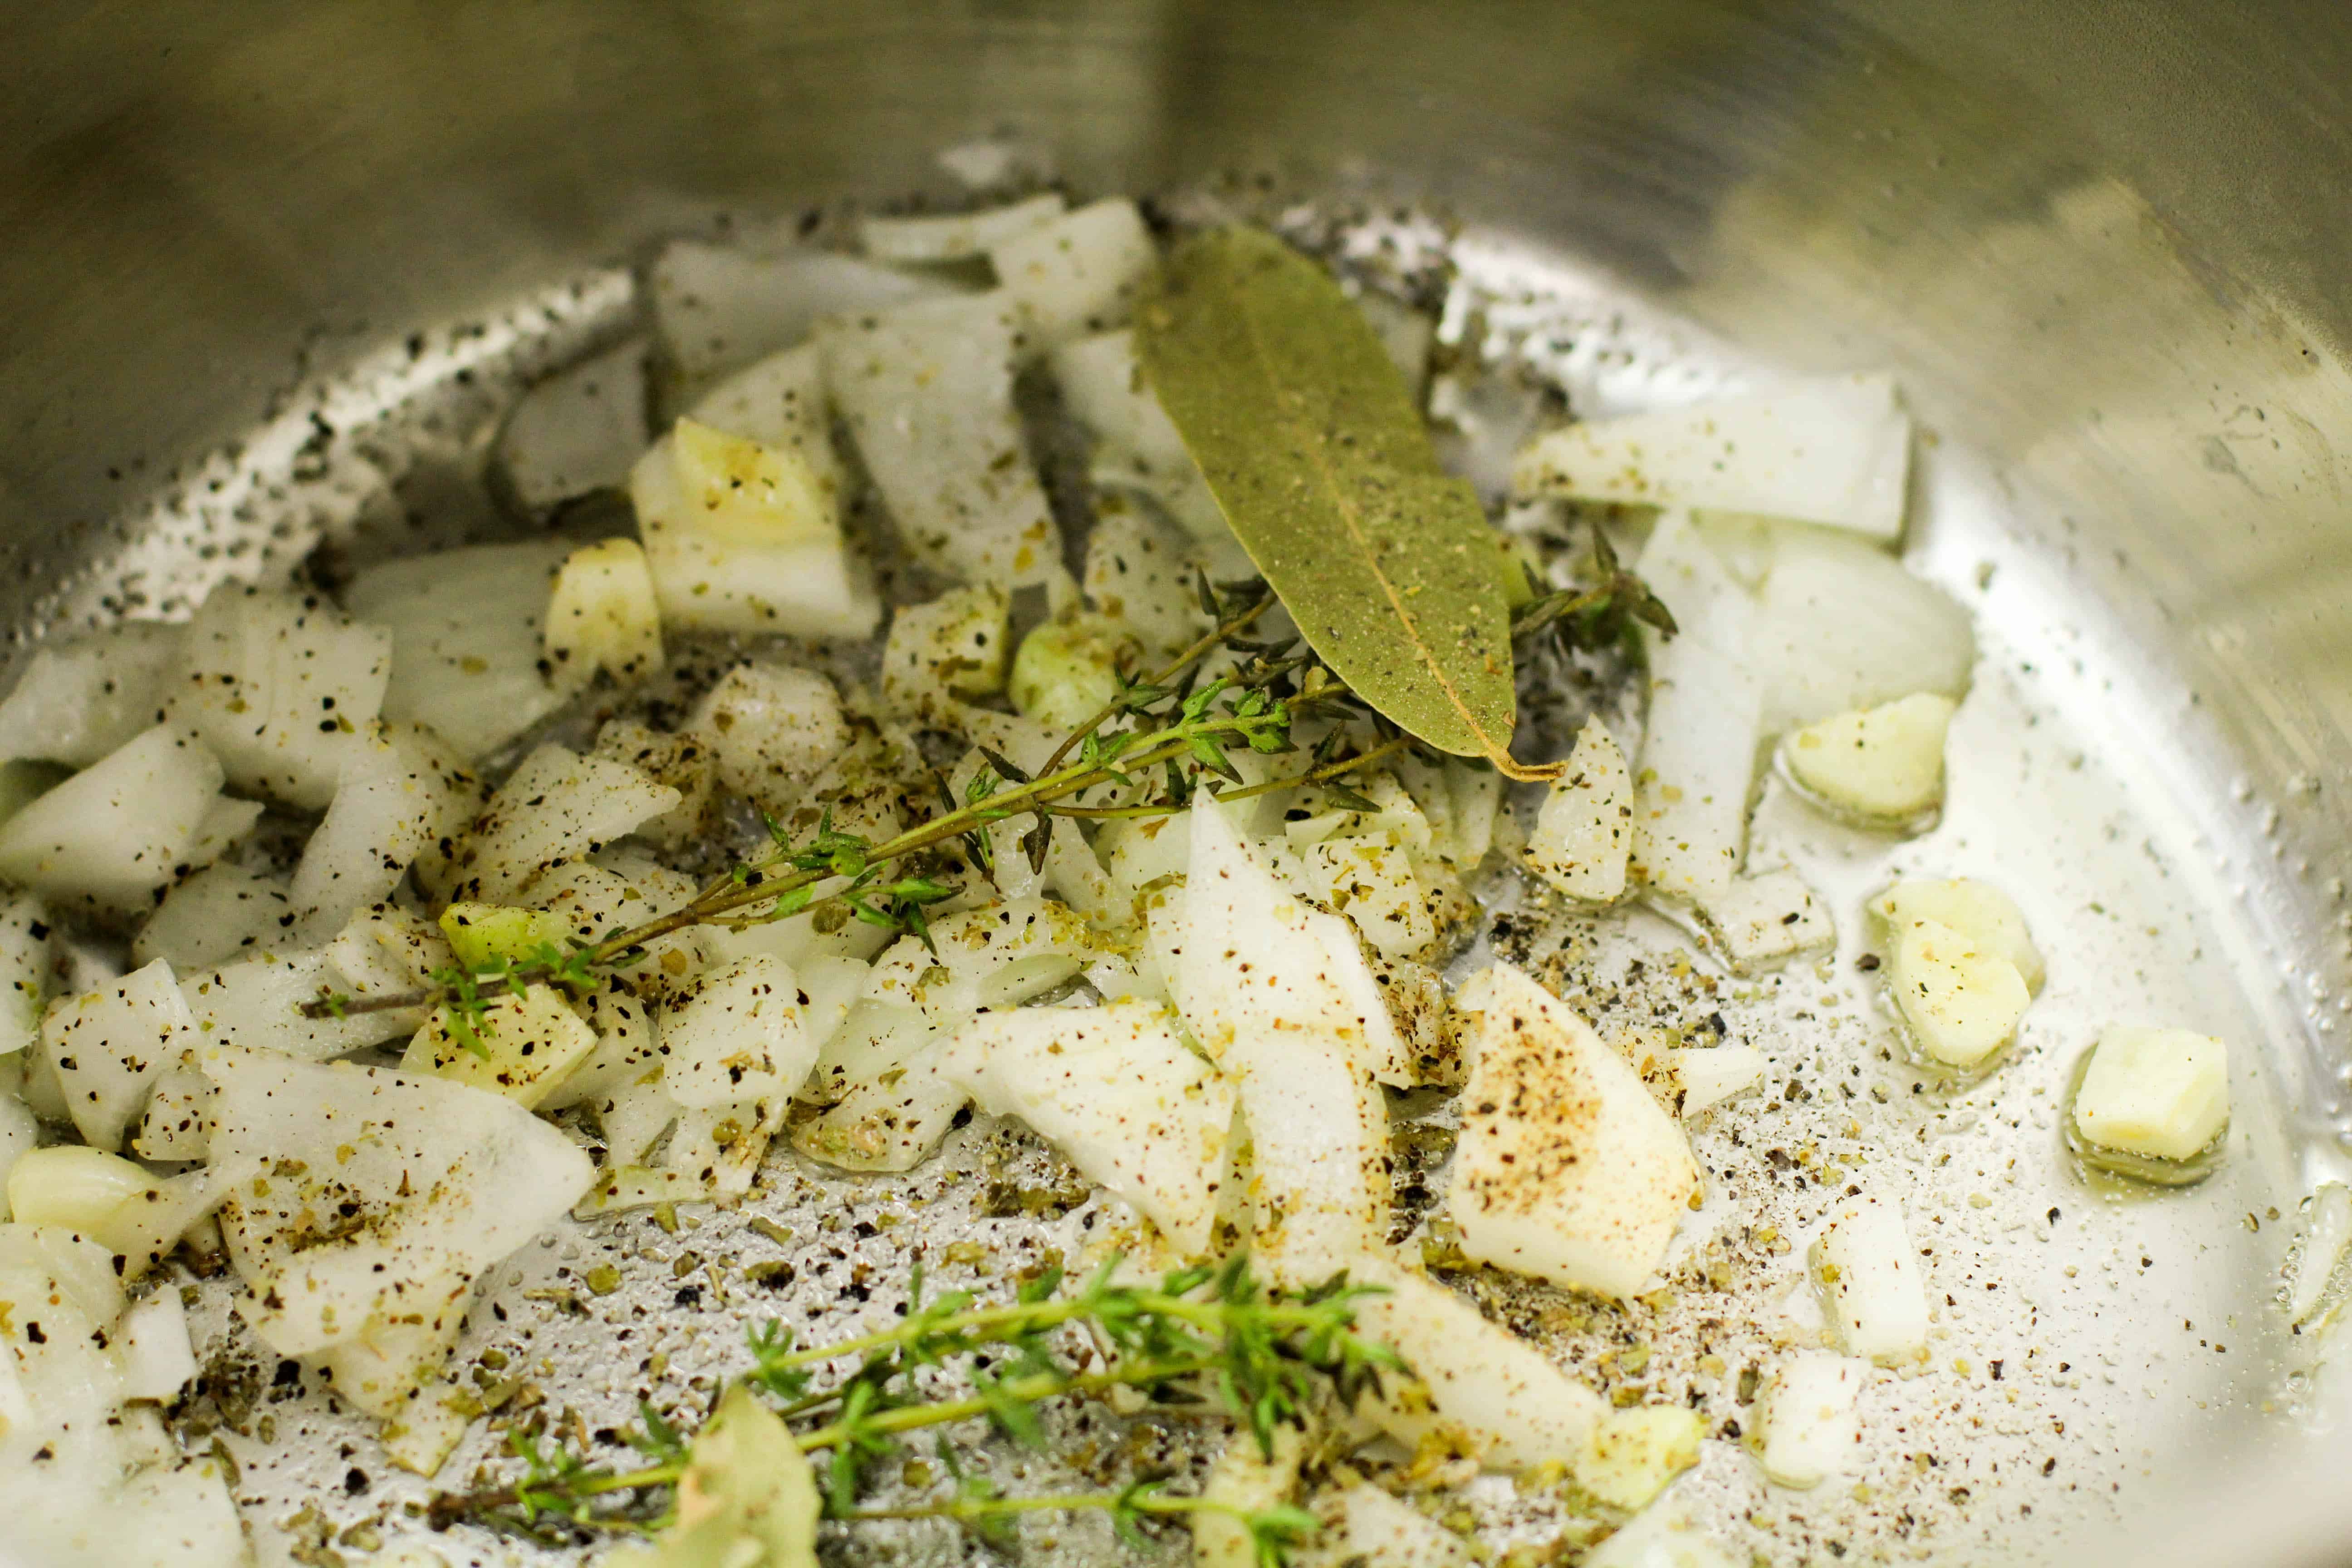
column 735, row 1034
column 467, row 641
column 1136, row 445
column 1115, row 1090
column 1810, row 1433
column 1698, row 749
column 105, row 1046
column 955, row 237
column 401, row 789
column 778, row 401
column 769, row 729
column 1583, row 832
column 444, row 1181
column 158, row 1359
column 888, row 1123
column 1078, row 273
column 1567, row 1168
column 80, row 699
column 1762, row 920
column 521, row 1046
column 257, row 1003
column 556, row 806
column 984, row 959
column 927, row 392
column 213, row 916
column 603, row 614
column 1833, row 451
column 1844, row 627
column 575, row 431
column 1871, row 1279
column 280, row 686
column 25, row 952
column 1494, row 1394
column 1138, row 573
column 118, row 831
column 717, row 306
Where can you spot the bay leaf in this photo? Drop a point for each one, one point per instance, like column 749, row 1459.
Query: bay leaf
column 1313, row 447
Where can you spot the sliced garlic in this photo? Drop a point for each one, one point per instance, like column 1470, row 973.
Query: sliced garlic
column 1630, row 1455
column 1766, row 920
column 1883, row 764
column 1976, row 910
column 602, row 615
column 1961, row 999
column 1810, row 1431
column 2160, row 1092
column 1870, row 1276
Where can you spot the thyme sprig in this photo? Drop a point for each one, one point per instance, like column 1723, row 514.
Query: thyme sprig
column 1212, row 1340
column 1167, row 720
column 1599, row 615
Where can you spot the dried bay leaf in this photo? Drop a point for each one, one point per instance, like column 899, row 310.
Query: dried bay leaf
column 1318, row 456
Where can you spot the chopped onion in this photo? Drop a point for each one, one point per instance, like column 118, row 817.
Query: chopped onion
column 78, row 700
column 1254, row 968
column 744, row 537
column 105, row 1045
column 1584, row 831
column 557, row 806
column 115, row 833
column 172, row 1127
column 575, row 431
column 1139, row 573
column 1381, row 1532
column 469, row 659
column 1136, row 445
column 1115, row 1090
column 1767, row 919
column 1698, row 751
column 1710, row 1075
column 717, row 306
column 1870, row 1277
column 521, row 1046
column 737, row 1034
column 158, row 1359
column 945, row 651
column 1844, row 627
column 257, row 1003
column 443, row 1181
column 1472, row 1381
column 994, row 956
column 603, row 614
column 955, row 237
column 927, row 392
column 1809, row 1430
column 24, row 957
column 778, row 401
column 1566, row 1168
column 1832, row 451
column 401, row 790
column 769, row 729
column 281, row 686
column 1078, row 273
column 212, row 916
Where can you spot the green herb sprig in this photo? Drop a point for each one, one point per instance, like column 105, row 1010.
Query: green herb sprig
column 1208, row 1340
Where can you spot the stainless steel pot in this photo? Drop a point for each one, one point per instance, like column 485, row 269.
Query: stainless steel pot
column 2103, row 242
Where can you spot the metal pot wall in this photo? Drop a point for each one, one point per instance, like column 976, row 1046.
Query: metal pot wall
column 2103, row 242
